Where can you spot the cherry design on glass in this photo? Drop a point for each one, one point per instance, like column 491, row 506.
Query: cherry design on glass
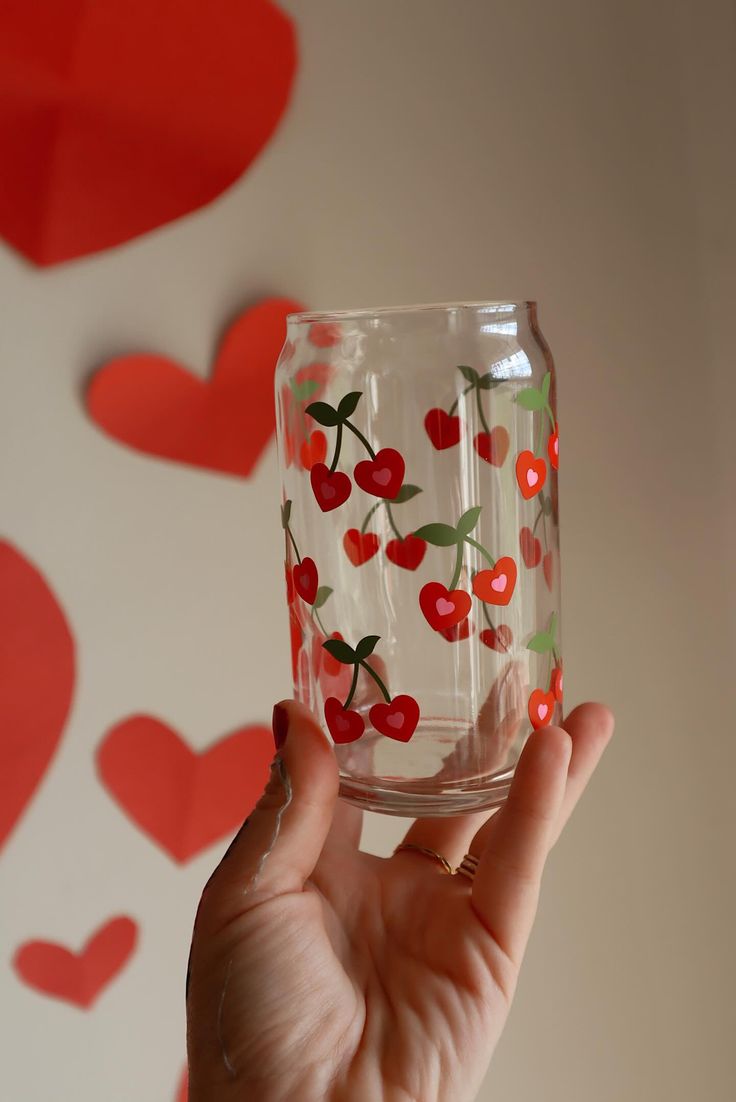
column 553, row 447
column 555, row 683
column 300, row 446
column 330, row 488
column 541, row 707
column 531, row 472
column 360, row 546
column 313, row 450
column 458, row 632
column 499, row 638
column 306, row 581
column 496, row 586
column 397, row 718
column 548, row 566
column 531, row 548
column 381, row 476
column 541, row 703
column 404, row 551
column 442, row 607
column 445, row 429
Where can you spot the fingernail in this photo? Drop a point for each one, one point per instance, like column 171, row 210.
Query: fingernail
column 280, row 724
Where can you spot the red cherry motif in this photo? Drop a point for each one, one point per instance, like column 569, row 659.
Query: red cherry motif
column 496, row 586
column 330, row 664
column 397, row 720
column 531, row 474
column 493, row 446
column 289, row 584
column 324, row 334
column 360, row 546
column 443, row 430
column 541, row 707
column 553, row 447
column 500, row 638
column 555, row 683
column 344, row 724
column 383, row 475
column 407, row 553
column 330, row 490
column 531, row 548
column 548, row 566
column 442, row 607
column 458, row 632
column 313, row 450
column 306, row 581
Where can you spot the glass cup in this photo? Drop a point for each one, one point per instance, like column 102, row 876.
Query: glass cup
column 418, row 449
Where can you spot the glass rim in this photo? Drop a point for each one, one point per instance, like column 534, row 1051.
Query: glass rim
column 501, row 306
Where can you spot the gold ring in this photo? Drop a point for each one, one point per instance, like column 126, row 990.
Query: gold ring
column 468, row 866
column 427, row 853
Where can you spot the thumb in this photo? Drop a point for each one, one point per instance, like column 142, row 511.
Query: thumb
column 279, row 844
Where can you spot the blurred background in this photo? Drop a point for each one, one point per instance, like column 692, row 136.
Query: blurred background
column 579, row 153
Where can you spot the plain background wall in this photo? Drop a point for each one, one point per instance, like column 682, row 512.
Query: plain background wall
column 580, row 153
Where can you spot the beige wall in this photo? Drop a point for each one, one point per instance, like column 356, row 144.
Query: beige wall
column 580, row 153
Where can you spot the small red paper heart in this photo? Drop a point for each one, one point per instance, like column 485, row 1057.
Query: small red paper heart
column 183, row 800
column 397, row 720
column 500, row 638
column 531, row 548
column 555, row 683
column 496, row 586
column 330, row 490
column 407, row 553
column 548, row 566
column 119, row 117
column 443, row 430
column 36, row 682
column 78, row 978
column 458, row 632
column 359, row 546
column 345, row 725
column 313, row 450
column 553, row 448
column 541, row 707
column 443, row 607
column 383, row 475
column 531, row 474
column 306, row 580
column 222, row 424
column 493, row 446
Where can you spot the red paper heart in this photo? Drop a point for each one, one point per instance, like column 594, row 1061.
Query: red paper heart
column 36, row 682
column 306, row 580
column 78, row 978
column 496, row 587
column 407, row 553
column 531, row 548
column 383, row 475
column 330, row 490
column 222, row 424
column 359, row 546
column 493, row 446
column 185, row 801
column 443, row 607
column 541, row 707
column 397, row 720
column 500, row 638
column 531, row 474
column 344, row 724
column 443, row 430
column 119, row 117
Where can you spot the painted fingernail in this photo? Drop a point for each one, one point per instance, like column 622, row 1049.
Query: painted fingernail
column 280, row 724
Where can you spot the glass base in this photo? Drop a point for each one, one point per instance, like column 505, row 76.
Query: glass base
column 404, row 801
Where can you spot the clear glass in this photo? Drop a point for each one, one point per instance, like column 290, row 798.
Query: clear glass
column 418, row 449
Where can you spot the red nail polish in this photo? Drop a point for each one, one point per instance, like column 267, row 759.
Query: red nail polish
column 280, row 724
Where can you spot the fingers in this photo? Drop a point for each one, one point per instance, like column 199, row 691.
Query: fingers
column 590, row 727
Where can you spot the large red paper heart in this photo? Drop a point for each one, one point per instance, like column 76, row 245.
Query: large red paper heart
column 183, row 800
column 36, row 681
column 116, row 117
column 78, row 978
column 156, row 406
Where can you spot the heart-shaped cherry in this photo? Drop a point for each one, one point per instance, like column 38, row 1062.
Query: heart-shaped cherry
column 397, row 720
column 345, row 725
column 531, row 474
column 500, row 638
column 493, row 446
column 531, row 548
column 548, row 566
column 555, row 683
column 458, row 632
column 496, row 586
column 443, row 430
column 330, row 490
column 313, row 450
column 443, row 607
column 383, row 475
column 306, row 581
column 553, row 447
column 407, row 553
column 360, row 546
column 541, row 707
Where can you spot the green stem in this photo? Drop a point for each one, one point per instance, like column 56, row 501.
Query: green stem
column 293, row 544
column 362, row 438
column 549, row 671
column 353, row 685
column 556, row 656
column 391, row 521
column 481, row 548
column 538, row 449
column 489, row 621
column 318, row 618
column 481, row 414
column 377, row 680
column 368, row 517
column 550, row 414
column 540, row 514
column 458, row 566
column 338, row 443
column 453, row 407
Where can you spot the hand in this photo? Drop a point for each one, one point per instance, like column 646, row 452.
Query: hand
column 319, row 972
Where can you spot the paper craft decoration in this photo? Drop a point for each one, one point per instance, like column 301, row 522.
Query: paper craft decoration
column 222, row 424
column 37, row 664
column 78, row 978
column 121, row 115
column 184, row 801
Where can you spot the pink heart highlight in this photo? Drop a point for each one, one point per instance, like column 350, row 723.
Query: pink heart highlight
column 532, row 478
column 542, row 710
column 395, row 721
column 382, row 477
column 444, row 607
column 499, row 584
column 328, row 492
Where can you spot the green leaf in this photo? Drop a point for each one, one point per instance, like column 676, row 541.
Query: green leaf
column 440, row 535
column 302, row 391
column 541, row 642
column 323, row 593
column 285, row 514
column 341, row 651
column 348, row 403
column 488, row 382
column 470, row 373
column 552, row 625
column 468, row 521
column 530, row 398
column 366, row 646
column 406, row 493
column 323, row 414
column 545, row 385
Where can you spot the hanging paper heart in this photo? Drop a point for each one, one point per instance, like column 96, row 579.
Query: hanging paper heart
column 118, row 117
column 36, row 682
column 222, row 424
column 183, row 800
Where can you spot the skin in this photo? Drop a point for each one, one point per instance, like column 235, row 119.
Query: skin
column 320, row 972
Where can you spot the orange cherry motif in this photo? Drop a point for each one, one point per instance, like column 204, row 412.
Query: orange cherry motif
column 553, row 447
column 555, row 683
column 496, row 586
column 531, row 474
column 541, row 707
